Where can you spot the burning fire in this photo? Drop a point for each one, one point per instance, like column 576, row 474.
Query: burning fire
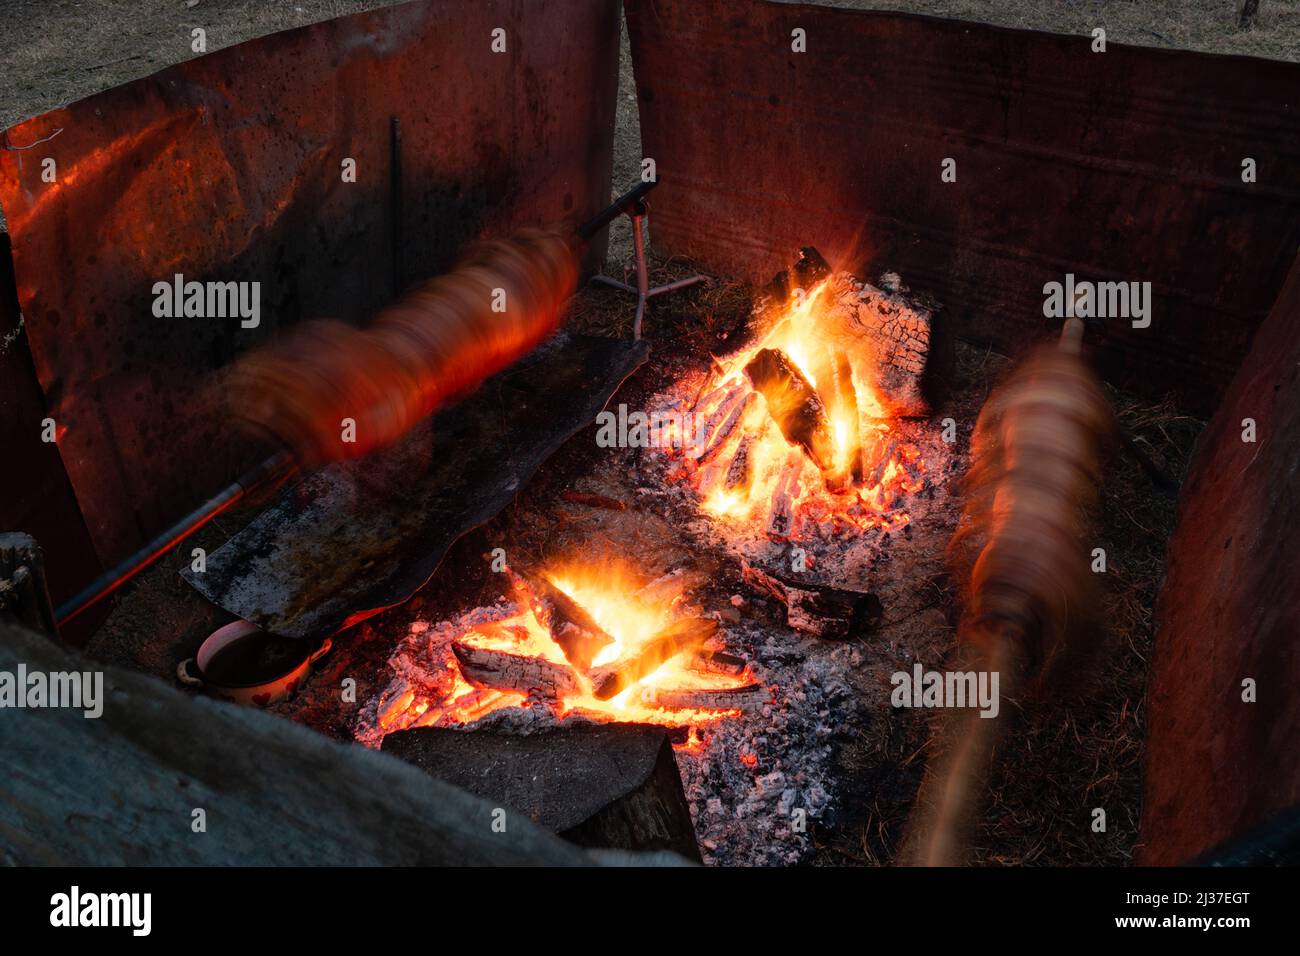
column 789, row 435
column 584, row 640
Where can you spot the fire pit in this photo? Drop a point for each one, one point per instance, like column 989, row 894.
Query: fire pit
column 745, row 525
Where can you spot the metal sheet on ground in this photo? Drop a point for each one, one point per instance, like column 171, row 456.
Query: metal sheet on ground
column 359, row 536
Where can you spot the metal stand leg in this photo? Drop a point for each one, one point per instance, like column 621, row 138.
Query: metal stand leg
column 643, row 291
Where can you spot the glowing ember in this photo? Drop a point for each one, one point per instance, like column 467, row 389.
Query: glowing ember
column 790, row 433
column 654, row 667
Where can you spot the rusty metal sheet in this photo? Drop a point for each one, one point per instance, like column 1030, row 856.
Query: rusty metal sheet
column 1117, row 166
column 1230, row 609
column 229, row 167
column 359, row 536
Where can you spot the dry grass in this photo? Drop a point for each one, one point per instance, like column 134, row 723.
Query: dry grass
column 1079, row 754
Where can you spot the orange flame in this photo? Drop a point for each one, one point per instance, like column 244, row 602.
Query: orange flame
column 611, row 593
column 858, row 427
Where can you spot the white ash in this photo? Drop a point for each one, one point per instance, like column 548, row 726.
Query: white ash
column 760, row 814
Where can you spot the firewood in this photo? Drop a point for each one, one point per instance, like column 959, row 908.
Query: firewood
column 719, row 662
column 576, row 631
column 817, row 609
column 609, row 785
column 763, row 582
column 499, row 670
column 746, row 697
column 896, row 330
column 728, row 429
column 665, row 589
column 831, row 613
column 780, row 522
column 733, row 395
column 847, row 398
column 794, row 404
column 677, row 638
column 741, row 468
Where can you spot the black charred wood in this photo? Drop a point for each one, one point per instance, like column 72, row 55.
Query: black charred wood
column 793, row 403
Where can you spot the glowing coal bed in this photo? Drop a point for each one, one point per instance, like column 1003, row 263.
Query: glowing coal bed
column 755, row 705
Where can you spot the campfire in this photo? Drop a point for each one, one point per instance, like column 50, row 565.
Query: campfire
column 576, row 640
column 796, row 435
column 801, row 434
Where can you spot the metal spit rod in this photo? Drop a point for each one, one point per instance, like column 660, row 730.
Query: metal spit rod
column 272, row 471
column 276, row 468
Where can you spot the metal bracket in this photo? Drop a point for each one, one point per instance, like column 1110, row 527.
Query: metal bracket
column 637, row 211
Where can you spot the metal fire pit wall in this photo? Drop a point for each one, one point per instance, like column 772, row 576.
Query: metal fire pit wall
column 229, row 167
column 1117, row 166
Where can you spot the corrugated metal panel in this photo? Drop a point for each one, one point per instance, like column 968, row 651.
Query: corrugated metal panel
column 227, row 167
column 1116, row 166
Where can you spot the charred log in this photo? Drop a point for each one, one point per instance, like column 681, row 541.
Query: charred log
column 794, row 404
column 719, row 662
column 576, row 631
column 727, row 429
column 902, row 355
column 726, row 698
column 780, row 522
column 847, row 398
column 499, row 670
column 741, row 469
column 817, row 609
column 687, row 634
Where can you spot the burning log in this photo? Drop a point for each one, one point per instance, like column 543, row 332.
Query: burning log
column 677, row 638
column 901, row 356
column 576, row 631
column 847, row 398
column 719, row 662
column 780, row 524
column 794, row 404
column 804, row 273
column 665, row 589
column 739, row 411
column 746, row 697
column 732, row 396
column 741, row 469
column 499, row 670
column 816, row 609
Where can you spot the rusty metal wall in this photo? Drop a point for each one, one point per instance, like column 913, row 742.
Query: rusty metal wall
column 1124, row 165
column 1215, row 765
column 227, row 167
